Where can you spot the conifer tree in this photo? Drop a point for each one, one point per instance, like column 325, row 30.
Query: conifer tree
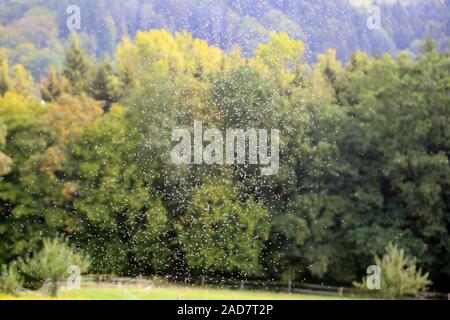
column 105, row 85
column 52, row 87
column 76, row 66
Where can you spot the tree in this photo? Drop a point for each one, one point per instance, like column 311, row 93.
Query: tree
column 246, row 98
column 282, row 55
column 76, row 66
column 71, row 115
column 115, row 216
column 53, row 87
column 396, row 144
column 329, row 66
column 36, row 188
column 5, row 161
column 22, row 81
column 399, row 274
column 19, row 231
column 10, row 279
column 364, row 154
column 106, row 86
column 222, row 233
column 52, row 262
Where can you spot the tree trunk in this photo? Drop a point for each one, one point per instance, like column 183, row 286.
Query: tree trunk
column 54, row 288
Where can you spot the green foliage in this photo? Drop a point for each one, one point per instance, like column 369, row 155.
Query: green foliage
column 119, row 221
column 25, row 138
column 21, row 81
column 76, row 67
column 106, row 86
column 282, row 55
column 364, row 156
column 4, row 73
column 245, row 97
column 31, row 38
column 10, row 279
column 53, row 87
column 221, row 234
column 52, row 262
column 399, row 274
column 18, row 78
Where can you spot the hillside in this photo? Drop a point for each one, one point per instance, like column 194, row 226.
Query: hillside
column 34, row 32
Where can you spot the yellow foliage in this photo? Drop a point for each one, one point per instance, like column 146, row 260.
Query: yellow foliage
column 329, row 61
column 22, row 81
column 281, row 54
column 14, row 103
column 158, row 51
column 16, row 109
column 70, row 115
column 198, row 55
column 360, row 60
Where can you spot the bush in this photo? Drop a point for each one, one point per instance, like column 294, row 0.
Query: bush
column 399, row 274
column 10, row 280
column 51, row 263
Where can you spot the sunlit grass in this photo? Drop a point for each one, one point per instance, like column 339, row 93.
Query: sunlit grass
column 108, row 292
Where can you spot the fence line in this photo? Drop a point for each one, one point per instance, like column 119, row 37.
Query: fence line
column 290, row 286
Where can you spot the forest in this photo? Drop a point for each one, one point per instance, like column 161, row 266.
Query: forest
column 364, row 159
column 34, row 32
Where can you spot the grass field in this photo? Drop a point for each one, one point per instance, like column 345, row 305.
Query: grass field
column 107, row 292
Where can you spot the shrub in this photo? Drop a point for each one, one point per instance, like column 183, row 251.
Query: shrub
column 399, row 274
column 10, row 280
column 52, row 262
